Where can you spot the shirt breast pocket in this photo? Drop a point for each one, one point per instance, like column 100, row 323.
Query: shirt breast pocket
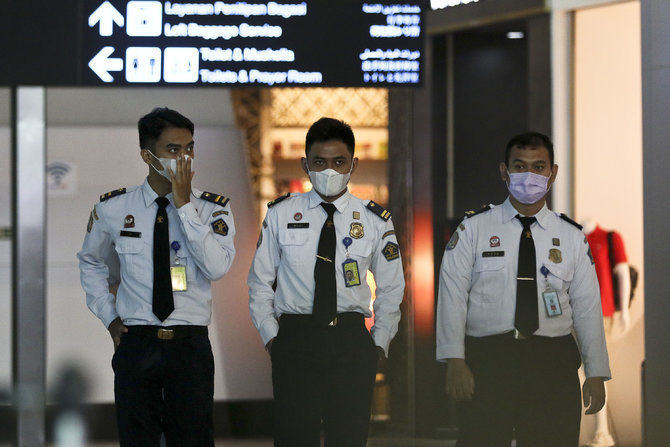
column 186, row 260
column 489, row 280
column 360, row 249
column 293, row 246
column 131, row 254
column 559, row 277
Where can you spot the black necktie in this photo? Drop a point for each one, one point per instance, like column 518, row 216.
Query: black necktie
column 325, row 289
column 525, row 318
column 163, row 303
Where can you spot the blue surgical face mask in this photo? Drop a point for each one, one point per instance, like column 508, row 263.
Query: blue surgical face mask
column 527, row 187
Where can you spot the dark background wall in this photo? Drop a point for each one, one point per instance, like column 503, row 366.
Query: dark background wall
column 656, row 159
column 490, row 105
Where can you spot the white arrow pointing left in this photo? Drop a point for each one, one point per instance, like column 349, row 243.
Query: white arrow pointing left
column 107, row 15
column 101, row 64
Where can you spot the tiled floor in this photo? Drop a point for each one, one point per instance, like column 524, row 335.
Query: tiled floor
column 374, row 442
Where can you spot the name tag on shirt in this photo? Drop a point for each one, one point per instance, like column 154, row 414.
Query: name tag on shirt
column 131, row 233
column 298, row 225
column 492, row 254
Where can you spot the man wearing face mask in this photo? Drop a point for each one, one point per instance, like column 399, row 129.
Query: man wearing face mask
column 516, row 282
column 147, row 262
column 317, row 247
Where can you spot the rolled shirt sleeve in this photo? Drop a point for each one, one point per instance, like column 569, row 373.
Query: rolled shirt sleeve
column 212, row 252
column 262, row 275
column 390, row 281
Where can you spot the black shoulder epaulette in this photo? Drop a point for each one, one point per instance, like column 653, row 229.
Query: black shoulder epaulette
column 272, row 203
column 570, row 221
column 378, row 210
column 110, row 194
column 214, row 198
column 471, row 213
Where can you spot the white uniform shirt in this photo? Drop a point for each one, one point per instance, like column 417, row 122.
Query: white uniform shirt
column 119, row 244
column 287, row 250
column 477, row 291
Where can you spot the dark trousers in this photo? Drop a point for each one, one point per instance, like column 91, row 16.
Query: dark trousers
column 529, row 388
column 164, row 386
column 322, row 373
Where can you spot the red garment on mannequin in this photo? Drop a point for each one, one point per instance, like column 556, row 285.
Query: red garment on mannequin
column 599, row 248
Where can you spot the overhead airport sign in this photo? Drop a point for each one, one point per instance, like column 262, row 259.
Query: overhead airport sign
column 343, row 43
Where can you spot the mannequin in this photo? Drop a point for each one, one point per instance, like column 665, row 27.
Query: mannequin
column 597, row 238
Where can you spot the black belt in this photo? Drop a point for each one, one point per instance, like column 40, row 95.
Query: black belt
column 342, row 319
column 517, row 336
column 168, row 332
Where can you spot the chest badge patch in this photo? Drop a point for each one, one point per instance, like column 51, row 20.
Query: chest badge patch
column 357, row 215
column 220, row 227
column 356, row 230
column 555, row 256
column 556, row 242
column 494, row 241
column 391, row 251
column 297, row 216
column 129, row 221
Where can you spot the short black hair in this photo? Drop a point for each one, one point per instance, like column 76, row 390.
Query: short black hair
column 152, row 125
column 327, row 129
column 530, row 139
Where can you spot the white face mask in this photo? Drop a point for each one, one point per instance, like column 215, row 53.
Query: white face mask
column 167, row 163
column 329, row 182
column 527, row 187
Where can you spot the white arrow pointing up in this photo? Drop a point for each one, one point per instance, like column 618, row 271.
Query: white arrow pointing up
column 101, row 64
column 107, row 15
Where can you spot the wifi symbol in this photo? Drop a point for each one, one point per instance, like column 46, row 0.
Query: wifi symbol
column 56, row 171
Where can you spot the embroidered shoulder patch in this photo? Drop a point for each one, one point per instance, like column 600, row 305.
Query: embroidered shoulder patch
column 471, row 213
column 215, row 198
column 453, row 241
column 391, row 251
column 110, row 194
column 570, row 221
column 220, row 227
column 89, row 227
column 278, row 199
column 378, row 210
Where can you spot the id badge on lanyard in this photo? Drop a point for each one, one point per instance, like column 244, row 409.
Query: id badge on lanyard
column 551, row 303
column 350, row 267
column 178, row 271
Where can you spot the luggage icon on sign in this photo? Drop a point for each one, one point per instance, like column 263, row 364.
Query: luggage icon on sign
column 144, row 18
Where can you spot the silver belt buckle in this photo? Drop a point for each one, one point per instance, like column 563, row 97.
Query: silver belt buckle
column 518, row 335
column 165, row 334
column 333, row 323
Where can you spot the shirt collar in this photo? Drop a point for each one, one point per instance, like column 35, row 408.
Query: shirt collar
column 341, row 203
column 509, row 213
column 150, row 195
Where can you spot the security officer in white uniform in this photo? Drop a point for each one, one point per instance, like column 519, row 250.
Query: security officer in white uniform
column 507, row 314
column 158, row 313
column 324, row 359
